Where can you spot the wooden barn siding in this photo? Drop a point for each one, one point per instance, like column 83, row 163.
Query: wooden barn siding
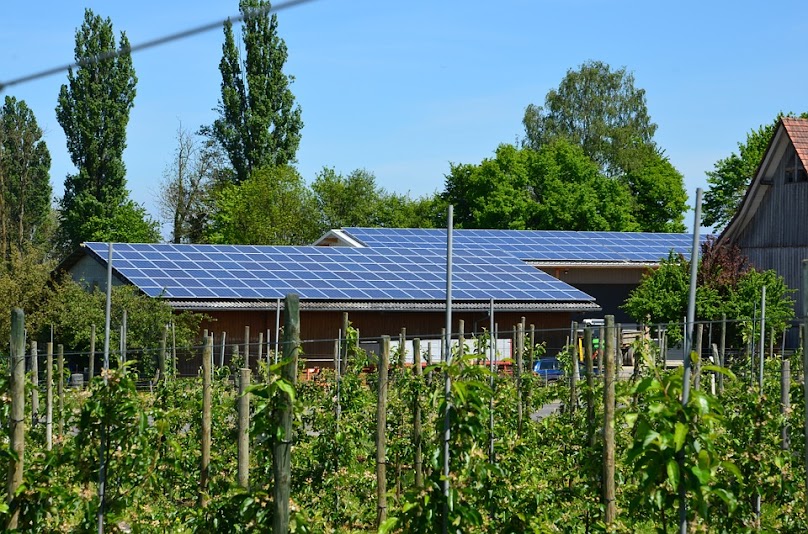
column 777, row 236
column 318, row 330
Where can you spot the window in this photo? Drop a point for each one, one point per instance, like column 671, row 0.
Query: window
column 793, row 169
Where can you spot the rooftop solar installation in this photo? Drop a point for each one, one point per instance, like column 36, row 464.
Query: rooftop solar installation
column 329, row 273
column 536, row 245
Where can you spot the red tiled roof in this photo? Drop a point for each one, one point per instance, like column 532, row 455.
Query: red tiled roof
column 797, row 130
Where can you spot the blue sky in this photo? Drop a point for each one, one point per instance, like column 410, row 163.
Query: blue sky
column 404, row 88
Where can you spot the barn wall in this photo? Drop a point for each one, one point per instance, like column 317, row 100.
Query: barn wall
column 319, row 329
column 92, row 274
column 777, row 236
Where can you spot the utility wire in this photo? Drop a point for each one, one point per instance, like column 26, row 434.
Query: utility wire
column 247, row 15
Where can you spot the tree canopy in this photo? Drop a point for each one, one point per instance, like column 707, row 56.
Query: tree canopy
column 726, row 284
column 557, row 187
column 272, row 207
column 93, row 110
column 25, row 187
column 259, row 124
column 731, row 176
column 598, row 109
column 601, row 111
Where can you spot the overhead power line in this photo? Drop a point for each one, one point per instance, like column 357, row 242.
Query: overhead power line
column 249, row 14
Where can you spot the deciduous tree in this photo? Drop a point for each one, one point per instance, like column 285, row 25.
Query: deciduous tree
column 598, row 109
column 272, row 207
column 186, row 194
column 259, row 124
column 727, row 284
column 555, row 188
column 25, row 187
column 93, row 110
column 343, row 201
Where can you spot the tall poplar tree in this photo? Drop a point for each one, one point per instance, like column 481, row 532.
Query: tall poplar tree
column 93, row 110
column 25, row 186
column 259, row 124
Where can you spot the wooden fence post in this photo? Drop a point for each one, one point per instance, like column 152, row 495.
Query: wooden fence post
column 224, row 345
column 161, row 355
column 282, row 448
column 381, row 438
column 246, row 347
column 697, row 349
column 49, row 396
column 722, row 352
column 416, row 413
column 785, row 399
column 575, row 368
column 92, row 353
column 173, row 350
column 590, row 383
column 16, row 426
column 60, row 387
column 520, row 348
column 260, row 355
column 244, row 429
column 204, row 471
column 608, row 423
column 601, row 348
column 345, row 324
column 531, row 348
column 34, row 384
column 402, row 352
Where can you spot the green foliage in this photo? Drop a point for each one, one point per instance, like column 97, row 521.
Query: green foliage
column 726, row 285
column 571, row 194
column 598, row 109
column 272, row 207
column 23, row 284
column 543, row 477
column 93, row 110
column 675, row 447
column 662, row 294
column 72, row 310
column 258, row 124
column 732, row 175
column 344, row 201
column 658, row 194
column 126, row 222
column 558, row 188
column 356, row 200
column 25, row 187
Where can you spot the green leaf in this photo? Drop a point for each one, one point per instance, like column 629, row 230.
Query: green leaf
column 287, row 388
column 673, row 472
column 388, row 525
column 679, row 435
column 704, row 460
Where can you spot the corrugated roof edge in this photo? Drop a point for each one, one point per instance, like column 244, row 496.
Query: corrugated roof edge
column 309, row 305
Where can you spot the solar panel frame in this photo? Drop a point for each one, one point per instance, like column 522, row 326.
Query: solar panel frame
column 326, row 273
column 537, row 245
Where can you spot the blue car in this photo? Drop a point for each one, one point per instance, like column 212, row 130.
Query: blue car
column 548, row 368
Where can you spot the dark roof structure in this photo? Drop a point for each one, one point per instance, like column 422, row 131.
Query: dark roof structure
column 254, row 277
column 535, row 247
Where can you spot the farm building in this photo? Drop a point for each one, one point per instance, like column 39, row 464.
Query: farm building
column 383, row 289
column 605, row 265
column 770, row 226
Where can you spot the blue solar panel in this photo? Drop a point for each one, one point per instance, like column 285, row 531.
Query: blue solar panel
column 330, row 273
column 536, row 245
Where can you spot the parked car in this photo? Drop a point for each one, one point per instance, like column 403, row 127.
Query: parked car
column 549, row 368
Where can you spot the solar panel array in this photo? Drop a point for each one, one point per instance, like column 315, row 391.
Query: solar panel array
column 235, row 272
column 536, row 245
